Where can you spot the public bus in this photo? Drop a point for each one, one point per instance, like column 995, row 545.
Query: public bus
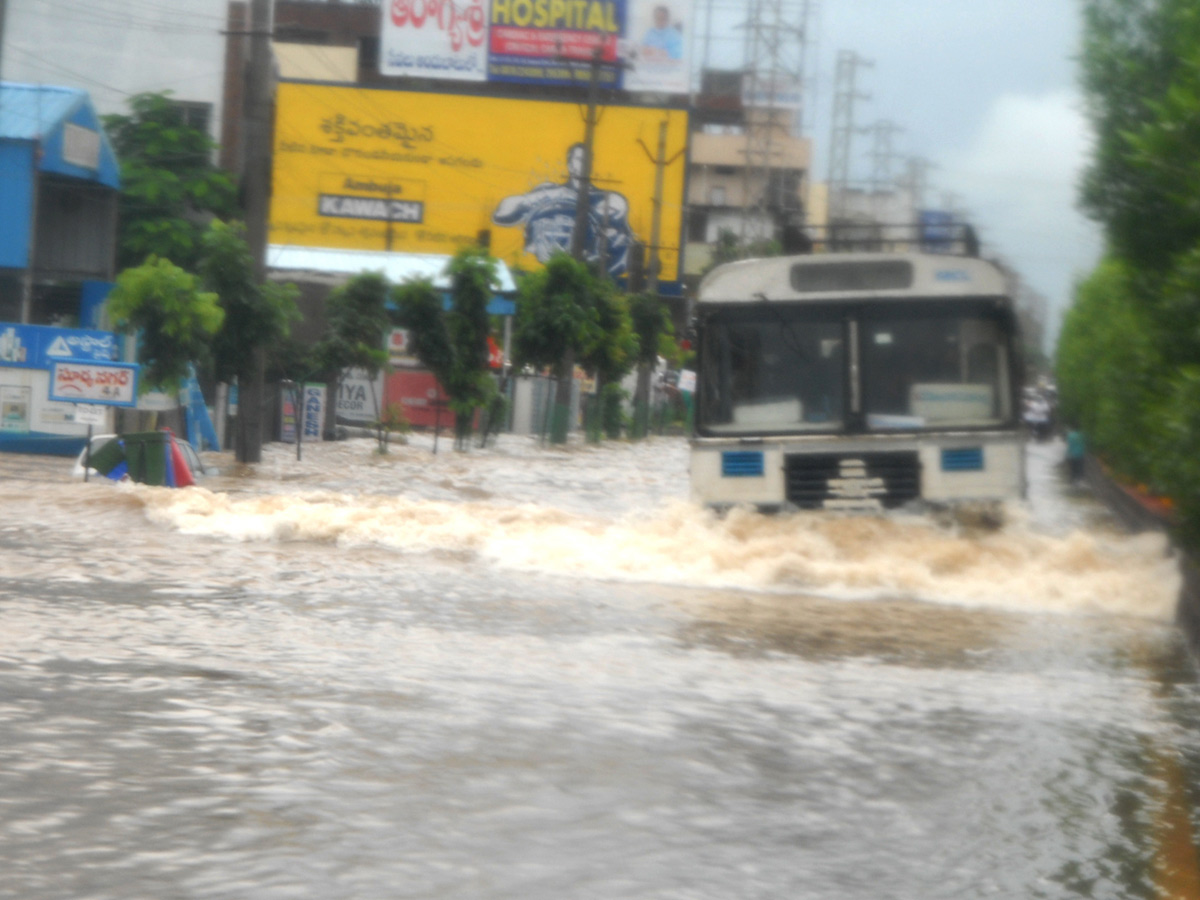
column 857, row 380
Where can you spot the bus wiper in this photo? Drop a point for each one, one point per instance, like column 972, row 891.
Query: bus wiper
column 788, row 327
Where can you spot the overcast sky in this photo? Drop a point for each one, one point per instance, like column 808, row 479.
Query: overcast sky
column 987, row 91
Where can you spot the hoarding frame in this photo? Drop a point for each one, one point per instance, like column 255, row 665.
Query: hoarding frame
column 102, row 394
column 337, row 140
column 645, row 45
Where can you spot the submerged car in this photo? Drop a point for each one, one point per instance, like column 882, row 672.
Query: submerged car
column 99, row 441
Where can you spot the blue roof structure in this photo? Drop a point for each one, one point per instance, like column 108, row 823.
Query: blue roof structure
column 39, row 113
column 28, row 111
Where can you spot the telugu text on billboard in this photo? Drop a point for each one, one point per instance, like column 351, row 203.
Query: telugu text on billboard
column 641, row 45
column 39, row 346
column 435, row 39
column 111, row 385
column 344, row 179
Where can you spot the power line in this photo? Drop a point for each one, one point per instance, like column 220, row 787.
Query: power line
column 46, row 64
column 89, row 14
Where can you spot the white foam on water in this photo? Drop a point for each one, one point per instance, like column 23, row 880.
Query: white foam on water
column 1015, row 568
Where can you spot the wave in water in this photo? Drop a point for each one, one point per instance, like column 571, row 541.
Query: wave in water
column 1015, row 568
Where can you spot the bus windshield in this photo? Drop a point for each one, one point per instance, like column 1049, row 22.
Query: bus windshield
column 779, row 368
column 933, row 371
column 771, row 369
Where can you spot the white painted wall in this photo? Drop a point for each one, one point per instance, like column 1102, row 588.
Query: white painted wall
column 116, row 48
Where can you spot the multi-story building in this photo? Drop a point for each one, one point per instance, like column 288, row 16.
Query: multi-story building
column 747, row 172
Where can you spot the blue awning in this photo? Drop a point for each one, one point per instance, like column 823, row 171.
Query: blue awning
column 64, row 125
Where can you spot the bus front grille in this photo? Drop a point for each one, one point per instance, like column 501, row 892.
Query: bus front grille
column 852, row 480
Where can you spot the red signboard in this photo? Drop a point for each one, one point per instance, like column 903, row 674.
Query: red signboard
column 421, row 397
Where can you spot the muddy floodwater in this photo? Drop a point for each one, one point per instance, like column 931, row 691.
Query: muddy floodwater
column 531, row 673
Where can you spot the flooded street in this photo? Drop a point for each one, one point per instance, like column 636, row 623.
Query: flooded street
column 534, row 673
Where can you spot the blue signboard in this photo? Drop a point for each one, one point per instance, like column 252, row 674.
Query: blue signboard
column 313, row 413
column 938, row 230
column 40, row 346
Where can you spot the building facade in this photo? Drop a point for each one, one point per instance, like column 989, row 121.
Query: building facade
column 59, row 181
column 747, row 172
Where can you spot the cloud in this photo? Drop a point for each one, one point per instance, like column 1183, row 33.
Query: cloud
column 1017, row 178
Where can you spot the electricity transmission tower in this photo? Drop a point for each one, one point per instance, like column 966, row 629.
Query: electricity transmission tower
column 773, row 88
column 841, row 135
column 883, row 154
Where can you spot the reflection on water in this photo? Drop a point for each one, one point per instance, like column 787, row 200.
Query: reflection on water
column 894, row 632
column 537, row 673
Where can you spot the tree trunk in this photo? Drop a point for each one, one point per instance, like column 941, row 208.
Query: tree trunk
column 560, row 423
column 251, row 409
column 596, row 412
column 641, row 402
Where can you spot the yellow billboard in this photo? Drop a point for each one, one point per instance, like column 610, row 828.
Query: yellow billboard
column 365, row 169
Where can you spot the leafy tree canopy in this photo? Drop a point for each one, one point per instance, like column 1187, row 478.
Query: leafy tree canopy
column 419, row 309
column 1141, row 78
column 612, row 351
column 730, row 248
column 472, row 273
column 256, row 315
column 554, row 313
column 174, row 317
column 453, row 344
column 651, row 323
column 169, row 186
column 358, row 321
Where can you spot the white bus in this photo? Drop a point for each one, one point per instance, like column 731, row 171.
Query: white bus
column 856, row 381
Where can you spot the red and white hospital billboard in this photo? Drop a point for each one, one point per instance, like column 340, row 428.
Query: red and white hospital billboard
column 644, row 45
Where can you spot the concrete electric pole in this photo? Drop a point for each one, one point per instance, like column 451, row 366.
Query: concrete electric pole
column 256, row 192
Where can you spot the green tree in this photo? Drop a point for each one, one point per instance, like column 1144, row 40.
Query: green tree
column 174, row 318
column 1129, row 351
column 453, row 344
column 652, row 325
column 258, row 317
column 554, row 322
column 169, row 186
column 1140, row 82
column 358, row 321
column 1110, row 370
column 730, row 248
column 610, row 354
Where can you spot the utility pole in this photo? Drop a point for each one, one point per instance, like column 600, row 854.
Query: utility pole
column 387, row 241
column 579, row 232
column 256, row 188
column 560, row 420
column 641, row 400
column 660, row 164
